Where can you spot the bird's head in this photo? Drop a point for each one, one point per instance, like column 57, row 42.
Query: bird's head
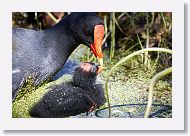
column 89, row 28
column 86, row 73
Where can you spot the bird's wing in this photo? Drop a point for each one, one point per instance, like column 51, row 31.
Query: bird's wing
column 61, row 102
column 73, row 105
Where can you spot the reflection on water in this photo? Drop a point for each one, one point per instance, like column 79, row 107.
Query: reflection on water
column 68, row 68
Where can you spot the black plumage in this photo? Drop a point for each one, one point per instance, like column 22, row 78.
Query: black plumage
column 40, row 54
column 82, row 94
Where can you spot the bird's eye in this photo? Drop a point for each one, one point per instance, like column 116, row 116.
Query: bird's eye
column 87, row 32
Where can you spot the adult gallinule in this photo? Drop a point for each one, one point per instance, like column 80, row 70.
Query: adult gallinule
column 82, row 94
column 40, row 54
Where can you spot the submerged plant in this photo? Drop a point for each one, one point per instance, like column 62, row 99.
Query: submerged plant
column 151, row 88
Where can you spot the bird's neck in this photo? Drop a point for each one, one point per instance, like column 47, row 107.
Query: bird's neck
column 83, row 81
column 61, row 42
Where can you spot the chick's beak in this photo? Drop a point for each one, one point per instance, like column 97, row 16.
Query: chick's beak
column 96, row 47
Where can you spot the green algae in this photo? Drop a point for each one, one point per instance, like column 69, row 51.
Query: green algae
column 133, row 89
column 22, row 106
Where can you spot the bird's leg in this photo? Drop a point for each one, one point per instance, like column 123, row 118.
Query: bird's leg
column 94, row 105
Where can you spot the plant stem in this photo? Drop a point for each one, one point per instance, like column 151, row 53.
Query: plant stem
column 139, row 40
column 105, row 26
column 158, row 55
column 52, row 17
column 165, row 26
column 110, row 28
column 125, row 59
column 151, row 89
column 116, row 22
column 152, row 21
column 88, row 54
column 147, row 41
column 37, row 21
column 104, row 40
column 112, row 37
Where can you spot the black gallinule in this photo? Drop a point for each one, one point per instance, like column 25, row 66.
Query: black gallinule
column 40, row 54
column 82, row 94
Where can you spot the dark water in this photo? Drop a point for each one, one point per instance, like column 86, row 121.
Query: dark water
column 68, row 68
column 124, row 111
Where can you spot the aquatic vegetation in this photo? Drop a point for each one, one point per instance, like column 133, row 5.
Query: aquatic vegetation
column 125, row 59
column 21, row 106
column 151, row 88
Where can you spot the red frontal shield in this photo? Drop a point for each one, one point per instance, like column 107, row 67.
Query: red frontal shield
column 96, row 47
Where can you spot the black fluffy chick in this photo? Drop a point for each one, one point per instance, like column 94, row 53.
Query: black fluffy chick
column 82, row 94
